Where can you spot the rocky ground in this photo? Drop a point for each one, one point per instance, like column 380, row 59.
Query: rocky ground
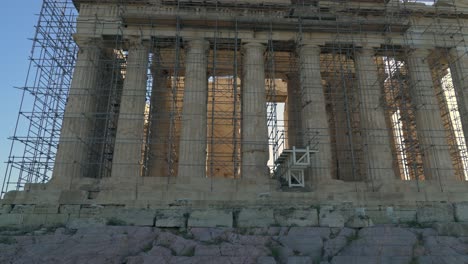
column 317, row 245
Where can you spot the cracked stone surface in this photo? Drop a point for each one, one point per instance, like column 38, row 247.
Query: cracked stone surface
column 137, row 245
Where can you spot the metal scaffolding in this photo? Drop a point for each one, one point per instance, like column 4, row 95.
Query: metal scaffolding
column 37, row 130
column 42, row 111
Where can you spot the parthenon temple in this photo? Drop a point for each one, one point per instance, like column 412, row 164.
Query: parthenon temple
column 169, row 101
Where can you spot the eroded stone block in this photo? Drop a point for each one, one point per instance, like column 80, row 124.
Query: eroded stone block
column 46, row 209
column 451, row 229
column 5, row 209
column 91, row 211
column 23, row 209
column 331, row 217
column 435, row 212
column 296, row 217
column 131, row 216
column 77, row 223
column 255, row 218
column 461, row 211
column 210, row 218
column 11, row 219
column 170, row 218
column 70, row 209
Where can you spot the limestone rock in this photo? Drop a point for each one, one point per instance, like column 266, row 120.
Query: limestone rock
column 299, row 260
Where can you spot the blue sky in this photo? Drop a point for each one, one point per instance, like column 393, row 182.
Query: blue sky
column 16, row 28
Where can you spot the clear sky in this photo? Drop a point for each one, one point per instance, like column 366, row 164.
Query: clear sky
column 16, row 29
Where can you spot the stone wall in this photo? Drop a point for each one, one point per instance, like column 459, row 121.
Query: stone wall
column 186, row 216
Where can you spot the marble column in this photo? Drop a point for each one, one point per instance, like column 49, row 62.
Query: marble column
column 431, row 132
column 128, row 151
column 192, row 154
column 458, row 62
column 292, row 112
column 160, row 125
column 375, row 133
column 72, row 156
column 314, row 117
column 254, row 119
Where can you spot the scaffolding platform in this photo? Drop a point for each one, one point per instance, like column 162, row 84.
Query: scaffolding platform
column 291, row 164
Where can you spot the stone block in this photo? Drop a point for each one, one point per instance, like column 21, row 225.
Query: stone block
column 23, row 209
column 11, row 219
column 46, row 209
column 359, row 221
column 56, row 219
column 34, row 220
column 70, row 209
column 130, row 216
column 331, row 217
column 170, row 218
column 451, row 229
column 210, row 218
column 435, row 212
column 5, row 209
column 461, row 211
column 296, row 217
column 255, row 218
column 91, row 211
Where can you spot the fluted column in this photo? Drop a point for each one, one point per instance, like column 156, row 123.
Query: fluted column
column 77, row 128
column 192, row 160
column 314, row 118
column 458, row 62
column 159, row 133
column 430, row 130
column 375, row 133
column 254, row 123
column 128, row 151
column 292, row 111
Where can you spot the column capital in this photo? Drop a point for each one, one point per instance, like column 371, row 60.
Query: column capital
column 309, row 48
column 136, row 42
column 366, row 51
column 198, row 43
column 420, row 52
column 253, row 45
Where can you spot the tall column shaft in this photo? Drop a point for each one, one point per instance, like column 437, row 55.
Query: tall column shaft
column 375, row 133
column 254, row 123
column 292, row 112
column 128, row 151
column 458, row 62
column 431, row 132
column 161, row 107
column 314, row 118
column 77, row 128
column 192, row 160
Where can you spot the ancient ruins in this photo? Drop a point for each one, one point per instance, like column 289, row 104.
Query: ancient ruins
column 227, row 112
